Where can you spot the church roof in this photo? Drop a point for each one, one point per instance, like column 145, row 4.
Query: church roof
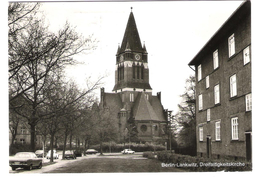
column 131, row 37
column 132, row 85
column 143, row 110
column 158, row 107
column 113, row 100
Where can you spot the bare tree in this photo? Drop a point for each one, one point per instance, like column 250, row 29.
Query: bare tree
column 20, row 17
column 104, row 124
column 35, row 55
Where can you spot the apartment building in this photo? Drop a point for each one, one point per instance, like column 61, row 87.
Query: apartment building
column 223, row 90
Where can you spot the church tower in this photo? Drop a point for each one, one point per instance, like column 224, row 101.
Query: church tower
column 133, row 107
column 131, row 72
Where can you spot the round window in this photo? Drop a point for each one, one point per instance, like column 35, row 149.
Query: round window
column 143, row 128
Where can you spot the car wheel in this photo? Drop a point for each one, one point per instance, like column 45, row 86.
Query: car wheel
column 40, row 166
column 30, row 167
column 13, row 168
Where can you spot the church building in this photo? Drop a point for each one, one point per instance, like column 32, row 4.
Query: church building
column 136, row 111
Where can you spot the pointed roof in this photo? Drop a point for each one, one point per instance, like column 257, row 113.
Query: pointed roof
column 143, row 109
column 118, row 50
column 131, row 36
column 144, row 49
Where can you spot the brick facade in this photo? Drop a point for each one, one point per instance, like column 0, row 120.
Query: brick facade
column 228, row 107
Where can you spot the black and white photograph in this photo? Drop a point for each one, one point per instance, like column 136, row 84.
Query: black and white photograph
column 129, row 87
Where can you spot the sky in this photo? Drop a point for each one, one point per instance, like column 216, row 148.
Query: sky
column 173, row 33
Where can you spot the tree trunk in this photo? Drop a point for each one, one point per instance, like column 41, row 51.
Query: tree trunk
column 56, row 142
column 43, row 148
column 32, row 125
column 85, row 147
column 70, row 141
column 101, row 143
column 51, row 147
column 64, row 145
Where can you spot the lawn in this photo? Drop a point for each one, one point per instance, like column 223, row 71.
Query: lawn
column 113, row 165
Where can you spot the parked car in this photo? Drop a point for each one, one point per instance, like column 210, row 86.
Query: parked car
column 25, row 160
column 55, row 155
column 40, row 154
column 91, row 151
column 127, row 151
column 69, row 154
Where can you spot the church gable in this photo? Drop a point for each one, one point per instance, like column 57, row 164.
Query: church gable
column 158, row 107
column 112, row 101
column 143, row 110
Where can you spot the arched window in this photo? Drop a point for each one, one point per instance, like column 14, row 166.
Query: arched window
column 133, row 70
column 142, row 72
column 120, row 72
column 138, row 71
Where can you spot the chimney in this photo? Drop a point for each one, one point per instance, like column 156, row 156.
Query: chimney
column 159, row 95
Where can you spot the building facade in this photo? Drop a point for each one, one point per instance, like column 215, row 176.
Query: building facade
column 132, row 97
column 223, row 90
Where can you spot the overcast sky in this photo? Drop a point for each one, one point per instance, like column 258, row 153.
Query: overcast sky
column 173, row 33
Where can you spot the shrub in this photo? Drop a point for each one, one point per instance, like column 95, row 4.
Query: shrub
column 149, row 154
column 19, row 148
column 136, row 147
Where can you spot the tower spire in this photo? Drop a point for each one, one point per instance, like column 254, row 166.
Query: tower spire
column 131, row 36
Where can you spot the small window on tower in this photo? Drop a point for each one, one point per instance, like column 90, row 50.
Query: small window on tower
column 123, row 98
column 147, row 96
column 131, row 97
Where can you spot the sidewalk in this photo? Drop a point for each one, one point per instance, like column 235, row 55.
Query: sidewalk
column 58, row 164
column 47, row 166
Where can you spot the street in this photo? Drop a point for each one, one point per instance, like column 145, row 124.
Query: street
column 108, row 163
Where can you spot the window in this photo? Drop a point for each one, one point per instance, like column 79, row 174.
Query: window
column 248, row 102
column 143, row 128
column 217, row 94
column 22, row 141
column 207, row 81
column 215, row 59
column 131, row 97
column 123, row 98
column 199, row 73
column 208, row 114
column 234, row 130
column 231, row 45
column 246, row 55
column 147, row 96
column 23, row 130
column 233, row 85
column 217, row 131
column 200, row 102
column 201, row 133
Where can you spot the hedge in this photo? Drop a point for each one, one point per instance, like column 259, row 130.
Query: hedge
column 193, row 163
column 135, row 147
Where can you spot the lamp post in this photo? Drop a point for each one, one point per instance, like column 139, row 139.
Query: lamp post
column 169, row 127
column 153, row 126
column 125, row 133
